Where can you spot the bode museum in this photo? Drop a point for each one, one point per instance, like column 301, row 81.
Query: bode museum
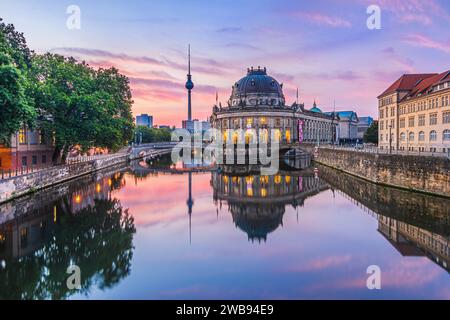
column 257, row 106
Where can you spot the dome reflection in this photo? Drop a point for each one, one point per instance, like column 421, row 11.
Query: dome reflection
column 257, row 203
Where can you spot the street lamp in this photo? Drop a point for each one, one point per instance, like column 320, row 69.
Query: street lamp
column 390, row 139
column 407, row 141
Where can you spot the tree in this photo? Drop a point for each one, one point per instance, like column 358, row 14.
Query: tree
column 16, row 106
column 150, row 135
column 81, row 106
column 371, row 135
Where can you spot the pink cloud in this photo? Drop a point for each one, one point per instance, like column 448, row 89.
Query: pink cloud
column 426, row 42
column 321, row 264
column 323, row 19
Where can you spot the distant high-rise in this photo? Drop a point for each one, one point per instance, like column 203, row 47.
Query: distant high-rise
column 144, row 120
column 189, row 85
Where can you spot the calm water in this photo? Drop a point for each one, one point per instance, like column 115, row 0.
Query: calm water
column 137, row 234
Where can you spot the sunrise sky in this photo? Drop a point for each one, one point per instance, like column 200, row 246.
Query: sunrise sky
column 322, row 47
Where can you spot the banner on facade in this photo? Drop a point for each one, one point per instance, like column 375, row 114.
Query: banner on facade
column 300, row 130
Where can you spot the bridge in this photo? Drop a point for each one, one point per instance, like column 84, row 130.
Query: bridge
column 150, row 150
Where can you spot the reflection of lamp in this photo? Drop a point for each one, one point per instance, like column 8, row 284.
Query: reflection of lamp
column 78, row 199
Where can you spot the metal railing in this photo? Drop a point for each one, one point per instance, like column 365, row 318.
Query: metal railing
column 376, row 150
column 24, row 170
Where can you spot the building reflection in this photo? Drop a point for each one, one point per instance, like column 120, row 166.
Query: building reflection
column 257, row 203
column 415, row 224
column 80, row 224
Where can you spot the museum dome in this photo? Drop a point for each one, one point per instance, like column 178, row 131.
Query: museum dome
column 257, row 82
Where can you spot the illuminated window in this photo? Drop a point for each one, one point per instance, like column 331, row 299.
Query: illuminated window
column 263, row 192
column 263, row 121
column 277, row 135
column 22, row 135
column 288, row 136
column 249, row 122
column 277, row 179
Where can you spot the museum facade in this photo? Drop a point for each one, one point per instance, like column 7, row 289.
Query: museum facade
column 257, row 106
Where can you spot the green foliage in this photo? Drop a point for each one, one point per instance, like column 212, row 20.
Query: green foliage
column 82, row 106
column 150, row 135
column 15, row 106
column 371, row 135
column 73, row 103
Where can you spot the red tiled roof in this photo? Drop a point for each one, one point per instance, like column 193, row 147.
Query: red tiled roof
column 406, row 83
column 424, row 86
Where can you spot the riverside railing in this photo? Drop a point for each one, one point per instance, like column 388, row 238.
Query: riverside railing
column 394, row 152
column 24, row 170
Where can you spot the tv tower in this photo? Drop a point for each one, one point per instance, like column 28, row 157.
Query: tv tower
column 189, row 85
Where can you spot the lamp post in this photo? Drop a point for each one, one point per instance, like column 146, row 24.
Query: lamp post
column 390, row 139
column 407, row 141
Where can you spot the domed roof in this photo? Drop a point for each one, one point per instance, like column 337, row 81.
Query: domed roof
column 257, row 82
column 315, row 109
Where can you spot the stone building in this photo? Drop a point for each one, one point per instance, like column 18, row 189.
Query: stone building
column 414, row 113
column 363, row 125
column 257, row 105
column 26, row 148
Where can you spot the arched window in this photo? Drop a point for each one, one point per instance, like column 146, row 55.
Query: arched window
column 421, row 136
column 433, row 136
column 446, row 135
column 403, row 136
column 411, row 136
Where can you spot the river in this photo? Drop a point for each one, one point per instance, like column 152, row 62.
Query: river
column 151, row 232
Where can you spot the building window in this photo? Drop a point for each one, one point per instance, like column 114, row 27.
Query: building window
column 24, row 161
column 446, row 135
column 278, row 122
column 23, row 135
column 34, row 160
column 446, row 117
column 249, row 122
column 433, row 136
column 392, row 112
column 421, row 136
column 411, row 121
column 288, row 136
column 411, row 136
column 392, row 124
column 421, row 120
column 263, row 121
column 402, row 122
column 433, row 119
column 41, row 137
column 381, row 137
column 44, row 159
column 403, row 136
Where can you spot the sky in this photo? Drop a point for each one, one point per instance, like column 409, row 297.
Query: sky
column 324, row 48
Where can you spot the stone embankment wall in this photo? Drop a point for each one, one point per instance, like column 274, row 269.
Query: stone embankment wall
column 416, row 173
column 18, row 186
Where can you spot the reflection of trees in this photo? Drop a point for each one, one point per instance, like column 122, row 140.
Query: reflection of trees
column 98, row 239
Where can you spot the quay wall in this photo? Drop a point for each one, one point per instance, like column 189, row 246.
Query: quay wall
column 14, row 187
column 416, row 173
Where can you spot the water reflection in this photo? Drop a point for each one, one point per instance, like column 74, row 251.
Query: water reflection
column 415, row 224
column 85, row 226
column 257, row 203
column 129, row 218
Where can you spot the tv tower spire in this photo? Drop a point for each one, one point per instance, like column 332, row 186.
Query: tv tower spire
column 189, row 84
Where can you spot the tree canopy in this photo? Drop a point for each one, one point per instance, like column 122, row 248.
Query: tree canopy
column 371, row 135
column 150, row 135
column 16, row 106
column 81, row 106
column 73, row 103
